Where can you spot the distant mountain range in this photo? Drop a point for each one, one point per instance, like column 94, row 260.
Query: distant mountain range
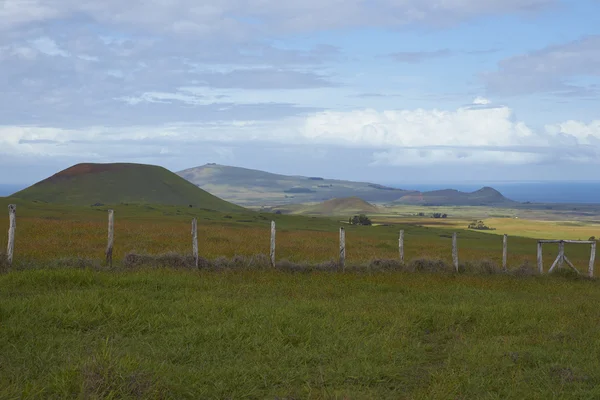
column 250, row 187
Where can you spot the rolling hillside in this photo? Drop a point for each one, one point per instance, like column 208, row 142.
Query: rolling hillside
column 258, row 188
column 89, row 184
column 254, row 188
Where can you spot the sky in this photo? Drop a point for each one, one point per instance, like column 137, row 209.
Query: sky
column 389, row 91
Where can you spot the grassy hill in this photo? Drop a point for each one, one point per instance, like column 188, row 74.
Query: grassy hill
column 89, row 184
column 338, row 207
column 250, row 187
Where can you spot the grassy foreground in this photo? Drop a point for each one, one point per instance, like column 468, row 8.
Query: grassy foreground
column 161, row 333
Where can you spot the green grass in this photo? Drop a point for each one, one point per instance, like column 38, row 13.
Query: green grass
column 263, row 334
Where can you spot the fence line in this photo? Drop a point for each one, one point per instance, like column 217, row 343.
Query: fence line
column 272, row 252
column 455, row 250
column 343, row 249
column 111, row 237
column 12, row 215
column 560, row 260
column 195, row 241
column 505, row 253
column 401, row 246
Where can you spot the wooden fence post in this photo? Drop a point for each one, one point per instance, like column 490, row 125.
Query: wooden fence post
column 592, row 260
column 540, row 263
column 111, row 237
column 455, row 251
column 401, row 246
column 505, row 253
column 342, row 249
column 272, row 252
column 561, row 254
column 12, row 215
column 195, row 240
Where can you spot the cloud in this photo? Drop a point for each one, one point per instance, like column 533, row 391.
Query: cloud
column 263, row 78
column 82, row 80
column 481, row 101
column 238, row 19
column 465, row 136
column 49, row 47
column 554, row 69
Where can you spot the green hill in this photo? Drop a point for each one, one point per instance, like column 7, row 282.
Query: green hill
column 346, row 206
column 89, row 184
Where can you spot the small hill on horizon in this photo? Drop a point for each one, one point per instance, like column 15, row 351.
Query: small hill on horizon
column 90, row 184
column 485, row 196
column 344, row 206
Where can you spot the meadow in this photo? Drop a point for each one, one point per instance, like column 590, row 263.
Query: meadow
column 71, row 327
column 173, row 334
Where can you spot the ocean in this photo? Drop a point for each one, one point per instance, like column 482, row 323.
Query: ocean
column 7, row 190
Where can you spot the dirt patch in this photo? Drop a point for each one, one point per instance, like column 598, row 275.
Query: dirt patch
column 89, row 168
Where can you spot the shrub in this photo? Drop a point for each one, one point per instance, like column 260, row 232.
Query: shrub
column 361, row 219
column 484, row 267
column 429, row 265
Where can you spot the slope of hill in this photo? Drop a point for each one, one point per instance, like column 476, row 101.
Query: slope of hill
column 89, row 184
column 254, row 188
column 345, row 206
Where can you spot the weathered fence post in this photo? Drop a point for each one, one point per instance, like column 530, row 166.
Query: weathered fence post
column 272, row 252
column 111, row 237
column 455, row 251
column 505, row 253
column 592, row 260
column 342, row 249
column 195, row 240
column 401, row 246
column 561, row 254
column 540, row 263
column 12, row 215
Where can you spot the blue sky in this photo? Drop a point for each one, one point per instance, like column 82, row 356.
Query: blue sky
column 391, row 91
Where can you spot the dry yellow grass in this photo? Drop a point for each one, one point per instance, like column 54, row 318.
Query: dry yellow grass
column 535, row 229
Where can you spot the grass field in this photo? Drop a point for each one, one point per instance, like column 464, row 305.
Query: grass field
column 69, row 331
column 257, row 334
column 47, row 233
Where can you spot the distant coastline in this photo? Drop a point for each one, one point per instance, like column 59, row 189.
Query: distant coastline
column 535, row 192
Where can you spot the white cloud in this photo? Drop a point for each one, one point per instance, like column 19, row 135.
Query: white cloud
column 481, row 101
column 395, row 137
column 418, row 128
column 420, row 157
